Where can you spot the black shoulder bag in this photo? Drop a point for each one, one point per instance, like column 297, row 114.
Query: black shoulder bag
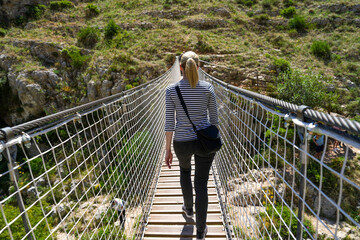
column 209, row 137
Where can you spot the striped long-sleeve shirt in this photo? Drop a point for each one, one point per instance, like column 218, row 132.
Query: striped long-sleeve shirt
column 201, row 105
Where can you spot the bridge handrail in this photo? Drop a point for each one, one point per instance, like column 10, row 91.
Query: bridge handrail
column 343, row 123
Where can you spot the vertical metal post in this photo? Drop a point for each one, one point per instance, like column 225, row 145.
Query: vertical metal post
column 10, row 155
column 303, row 159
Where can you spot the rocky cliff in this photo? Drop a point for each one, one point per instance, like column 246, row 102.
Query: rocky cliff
column 11, row 9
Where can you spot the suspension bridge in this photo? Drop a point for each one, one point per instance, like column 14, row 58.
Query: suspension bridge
column 96, row 171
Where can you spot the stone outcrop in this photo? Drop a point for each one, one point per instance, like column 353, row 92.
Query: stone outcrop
column 11, row 9
column 342, row 8
column 47, row 52
column 335, row 22
column 248, row 189
column 204, row 23
column 177, row 14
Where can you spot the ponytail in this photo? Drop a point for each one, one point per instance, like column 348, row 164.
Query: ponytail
column 191, row 72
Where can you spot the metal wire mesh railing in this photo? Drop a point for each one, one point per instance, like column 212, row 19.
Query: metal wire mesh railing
column 88, row 174
column 282, row 177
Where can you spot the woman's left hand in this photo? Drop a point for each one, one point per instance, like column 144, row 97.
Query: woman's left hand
column 168, row 158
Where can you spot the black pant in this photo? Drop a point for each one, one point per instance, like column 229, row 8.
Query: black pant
column 203, row 161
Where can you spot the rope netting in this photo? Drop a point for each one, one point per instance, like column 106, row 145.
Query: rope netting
column 89, row 175
column 281, row 177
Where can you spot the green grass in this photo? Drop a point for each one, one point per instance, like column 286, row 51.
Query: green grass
column 91, row 11
column 75, row 57
column 60, row 5
column 111, row 29
column 288, row 12
column 278, row 216
column 299, row 23
column 88, row 37
column 321, row 49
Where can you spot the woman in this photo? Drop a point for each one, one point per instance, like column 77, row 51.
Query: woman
column 199, row 98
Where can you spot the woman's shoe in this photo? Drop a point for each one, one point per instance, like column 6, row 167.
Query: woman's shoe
column 201, row 235
column 188, row 213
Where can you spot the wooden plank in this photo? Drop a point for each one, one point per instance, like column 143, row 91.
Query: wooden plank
column 182, row 230
column 180, row 218
column 178, row 200
column 181, row 238
column 176, row 184
column 176, row 208
column 177, row 174
column 177, row 191
column 177, row 179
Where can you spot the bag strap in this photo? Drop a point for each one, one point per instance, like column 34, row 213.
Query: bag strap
column 177, row 88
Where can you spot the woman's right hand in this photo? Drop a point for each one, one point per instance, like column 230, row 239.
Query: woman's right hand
column 168, row 158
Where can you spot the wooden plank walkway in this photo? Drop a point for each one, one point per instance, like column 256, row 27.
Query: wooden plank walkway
column 167, row 221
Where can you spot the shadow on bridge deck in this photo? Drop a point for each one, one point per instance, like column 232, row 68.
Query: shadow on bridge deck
column 167, row 220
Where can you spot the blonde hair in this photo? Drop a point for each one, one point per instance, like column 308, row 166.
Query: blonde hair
column 190, row 62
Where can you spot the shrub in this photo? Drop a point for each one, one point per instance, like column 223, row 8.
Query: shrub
column 288, row 12
column 281, row 65
column 122, row 62
column 111, row 29
column 321, row 49
column 17, row 227
column 88, row 37
column 262, row 19
column 304, row 88
column 91, row 11
column 268, row 3
column 283, row 214
column 353, row 107
column 288, row 3
column 3, row 80
column 202, row 46
column 2, row 32
column 248, row 3
column 20, row 21
column 298, row 22
column 250, row 13
column 36, row 11
column 121, row 39
column 60, row 5
column 293, row 33
column 76, row 59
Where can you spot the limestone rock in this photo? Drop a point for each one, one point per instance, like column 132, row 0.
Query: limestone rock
column 40, row 182
column 31, row 95
column 48, row 52
column 106, row 88
column 6, row 62
column 223, row 12
column 320, row 22
column 204, row 23
column 118, row 87
column 327, row 209
column 350, row 84
column 10, row 9
column 100, row 211
column 172, row 14
column 248, row 188
column 341, row 8
column 91, row 91
column 46, row 78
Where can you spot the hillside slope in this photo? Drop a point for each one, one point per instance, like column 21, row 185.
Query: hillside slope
column 62, row 54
